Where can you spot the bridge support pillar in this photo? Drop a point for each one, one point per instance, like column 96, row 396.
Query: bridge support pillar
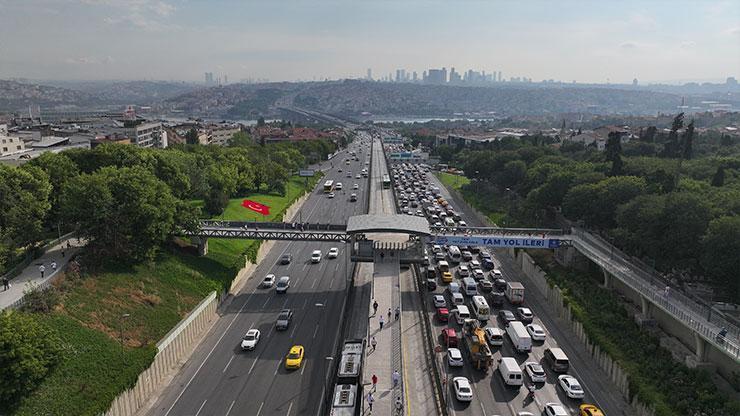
column 202, row 245
column 701, row 348
column 607, row 279
column 645, row 304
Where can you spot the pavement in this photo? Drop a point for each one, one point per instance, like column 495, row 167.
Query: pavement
column 220, row 379
column 31, row 276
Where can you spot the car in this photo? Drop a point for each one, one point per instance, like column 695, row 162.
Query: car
column 316, row 256
column 483, row 255
column 447, row 276
column 268, row 281
column 283, row 284
column 449, row 337
column 463, row 271
column 454, row 357
column 462, row 223
column 436, row 248
column 443, row 314
column 294, row 359
column 333, row 253
column 475, row 264
column 339, row 170
column 339, row 186
column 357, row 177
column 496, row 274
column 353, row 197
column 439, row 301
column 439, row 256
column 250, row 340
column 286, row 258
column 331, row 195
column 356, row 186
column 485, row 286
column 466, row 255
column 506, row 316
column 590, row 410
column 463, row 392
column 478, row 274
column 524, row 314
column 555, row 409
column 488, row 264
column 536, row 332
column 498, row 282
column 494, row 336
column 283, row 319
column 571, row 386
column 535, row 371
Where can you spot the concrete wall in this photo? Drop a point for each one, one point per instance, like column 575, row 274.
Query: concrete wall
column 179, row 343
column 555, row 299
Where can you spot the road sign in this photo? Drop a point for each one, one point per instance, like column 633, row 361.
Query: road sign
column 508, row 242
column 306, row 173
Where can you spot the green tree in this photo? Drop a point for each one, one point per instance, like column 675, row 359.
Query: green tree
column 671, row 147
column 125, row 213
column 596, row 204
column 720, row 248
column 613, row 153
column 513, row 174
column 28, row 351
column 24, row 206
column 191, row 137
column 718, row 179
column 241, row 139
column 59, row 169
column 260, row 121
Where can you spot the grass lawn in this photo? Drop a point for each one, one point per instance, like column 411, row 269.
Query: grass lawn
column 452, row 181
column 94, row 368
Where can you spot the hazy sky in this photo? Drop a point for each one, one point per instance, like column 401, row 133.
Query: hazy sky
column 589, row 41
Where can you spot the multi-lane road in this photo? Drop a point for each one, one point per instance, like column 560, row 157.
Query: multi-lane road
column 220, row 379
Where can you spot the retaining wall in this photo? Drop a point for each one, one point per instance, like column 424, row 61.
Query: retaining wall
column 555, row 298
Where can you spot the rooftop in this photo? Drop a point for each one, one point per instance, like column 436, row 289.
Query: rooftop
column 388, row 224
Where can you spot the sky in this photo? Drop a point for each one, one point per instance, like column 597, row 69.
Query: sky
column 588, row 41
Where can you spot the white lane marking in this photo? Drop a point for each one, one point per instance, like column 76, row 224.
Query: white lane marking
column 315, row 331
column 305, row 302
column 252, row 367
column 284, row 303
column 304, row 266
column 264, row 305
column 276, row 368
column 314, row 283
column 293, row 331
column 289, row 407
column 227, row 364
column 201, row 407
column 260, row 409
column 209, row 354
column 336, row 267
column 232, row 405
column 303, row 367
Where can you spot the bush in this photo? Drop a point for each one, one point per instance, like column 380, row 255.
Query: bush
column 40, row 300
column 28, row 350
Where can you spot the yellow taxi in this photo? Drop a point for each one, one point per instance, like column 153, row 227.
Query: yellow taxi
column 446, row 277
column 294, row 359
column 590, row 410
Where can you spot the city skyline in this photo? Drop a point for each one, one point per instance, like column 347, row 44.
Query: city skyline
column 141, row 39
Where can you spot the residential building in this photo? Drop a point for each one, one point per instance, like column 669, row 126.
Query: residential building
column 221, row 134
column 10, row 144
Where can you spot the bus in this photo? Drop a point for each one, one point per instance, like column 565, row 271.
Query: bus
column 328, row 186
column 386, row 182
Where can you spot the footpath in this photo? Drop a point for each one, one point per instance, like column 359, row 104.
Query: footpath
column 32, row 277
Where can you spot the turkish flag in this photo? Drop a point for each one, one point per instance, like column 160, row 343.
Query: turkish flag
column 256, row 206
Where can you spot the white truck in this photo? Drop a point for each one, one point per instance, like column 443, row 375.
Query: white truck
column 519, row 336
column 515, row 293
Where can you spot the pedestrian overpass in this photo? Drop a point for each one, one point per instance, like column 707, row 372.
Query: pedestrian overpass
column 399, row 235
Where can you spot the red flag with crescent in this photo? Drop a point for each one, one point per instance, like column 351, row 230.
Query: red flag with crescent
column 256, row 207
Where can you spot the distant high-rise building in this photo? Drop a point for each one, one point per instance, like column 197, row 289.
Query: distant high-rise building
column 499, row 77
column 226, row 79
column 399, row 77
column 436, row 76
column 454, row 76
column 209, row 78
column 416, row 77
column 369, row 74
column 731, row 81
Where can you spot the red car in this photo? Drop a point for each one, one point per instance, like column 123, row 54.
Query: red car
column 443, row 314
column 449, row 336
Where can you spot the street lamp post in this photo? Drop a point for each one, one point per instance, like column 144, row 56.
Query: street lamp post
column 120, row 327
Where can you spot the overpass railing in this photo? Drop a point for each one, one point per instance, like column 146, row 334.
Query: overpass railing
column 553, row 233
column 702, row 319
column 259, row 225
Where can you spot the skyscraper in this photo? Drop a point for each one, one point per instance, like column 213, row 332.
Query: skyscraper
column 369, row 74
column 209, row 78
column 499, row 77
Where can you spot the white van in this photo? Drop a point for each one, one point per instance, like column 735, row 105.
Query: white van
column 443, row 266
column 454, row 287
column 480, row 307
column 458, row 299
column 449, row 222
column 454, row 253
column 519, row 336
column 461, row 314
column 510, row 371
column 470, row 287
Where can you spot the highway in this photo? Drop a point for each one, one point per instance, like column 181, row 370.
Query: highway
column 220, row 379
column 491, row 396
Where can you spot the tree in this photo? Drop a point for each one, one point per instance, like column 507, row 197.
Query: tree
column 687, row 142
column 718, row 179
column 513, row 174
column 241, row 139
column 596, row 204
column 191, row 137
column 124, row 213
column 720, row 248
column 59, row 169
column 260, row 121
column 671, row 146
column 614, row 153
column 28, row 351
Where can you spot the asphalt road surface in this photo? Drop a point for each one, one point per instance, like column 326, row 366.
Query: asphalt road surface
column 220, row 379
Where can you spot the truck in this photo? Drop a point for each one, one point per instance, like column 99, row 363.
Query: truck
column 515, row 293
column 519, row 336
column 474, row 338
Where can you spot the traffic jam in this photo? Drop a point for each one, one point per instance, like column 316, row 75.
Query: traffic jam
column 490, row 346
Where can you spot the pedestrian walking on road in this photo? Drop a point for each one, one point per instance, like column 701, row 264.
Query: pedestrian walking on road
column 42, row 269
column 396, row 377
column 375, row 382
column 389, row 314
column 398, row 312
column 667, row 291
column 375, row 308
column 374, row 343
column 53, row 266
column 370, row 400
column 6, row 283
column 382, row 321
column 399, row 405
column 69, row 245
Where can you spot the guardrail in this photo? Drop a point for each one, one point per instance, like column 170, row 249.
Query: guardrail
column 703, row 320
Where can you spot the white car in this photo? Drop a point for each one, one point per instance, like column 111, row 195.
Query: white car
column 454, row 357
column 316, row 256
column 463, row 392
column 555, row 409
column 463, row 271
column 339, row 186
column 250, row 340
column 462, row 224
column 478, row 274
column 331, row 195
column 535, row 372
column 355, row 186
column 474, row 264
column 333, row 253
column 268, row 281
column 536, row 332
column 496, row 273
column 571, row 386
column 439, row 301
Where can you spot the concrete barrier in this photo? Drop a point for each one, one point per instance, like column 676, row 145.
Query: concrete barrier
column 555, row 298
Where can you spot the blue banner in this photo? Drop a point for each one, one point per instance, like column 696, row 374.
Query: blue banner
column 513, row 242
